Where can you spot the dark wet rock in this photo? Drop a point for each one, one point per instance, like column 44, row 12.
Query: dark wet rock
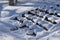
column 33, row 34
column 55, row 13
column 42, row 26
column 41, row 10
column 37, row 9
column 46, row 12
column 23, row 15
column 15, row 18
column 51, row 7
column 30, row 19
column 24, row 26
column 58, row 15
column 29, row 12
column 51, row 14
column 54, row 22
column 46, row 18
column 13, row 29
column 57, row 5
column 21, row 21
column 32, row 10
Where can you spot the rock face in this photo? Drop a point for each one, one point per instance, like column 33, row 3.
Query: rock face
column 12, row 2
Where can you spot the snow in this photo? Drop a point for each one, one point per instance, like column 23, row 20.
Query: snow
column 3, row 1
column 5, row 36
column 4, row 13
column 7, row 22
column 29, row 4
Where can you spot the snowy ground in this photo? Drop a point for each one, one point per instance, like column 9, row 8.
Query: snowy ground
column 7, row 22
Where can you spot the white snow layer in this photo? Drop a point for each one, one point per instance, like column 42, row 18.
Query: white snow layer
column 7, row 13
